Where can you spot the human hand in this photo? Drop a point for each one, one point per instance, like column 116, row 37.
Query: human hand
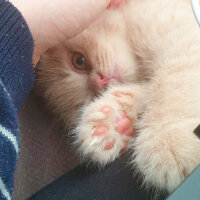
column 52, row 21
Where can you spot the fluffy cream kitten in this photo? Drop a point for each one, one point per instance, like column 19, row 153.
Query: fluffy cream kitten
column 136, row 68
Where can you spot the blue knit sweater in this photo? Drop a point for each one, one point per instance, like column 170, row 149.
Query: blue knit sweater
column 16, row 80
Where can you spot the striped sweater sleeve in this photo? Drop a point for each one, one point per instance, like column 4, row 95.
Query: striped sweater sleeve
column 16, row 80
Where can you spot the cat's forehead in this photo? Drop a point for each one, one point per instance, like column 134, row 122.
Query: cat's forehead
column 111, row 20
column 109, row 24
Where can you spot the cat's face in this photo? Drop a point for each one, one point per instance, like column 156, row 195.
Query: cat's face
column 76, row 71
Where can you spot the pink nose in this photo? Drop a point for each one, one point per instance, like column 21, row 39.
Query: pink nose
column 101, row 81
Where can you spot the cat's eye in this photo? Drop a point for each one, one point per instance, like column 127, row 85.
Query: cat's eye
column 79, row 61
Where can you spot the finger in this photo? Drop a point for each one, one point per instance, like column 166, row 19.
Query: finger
column 72, row 17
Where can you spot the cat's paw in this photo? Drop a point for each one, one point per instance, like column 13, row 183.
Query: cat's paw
column 165, row 155
column 106, row 128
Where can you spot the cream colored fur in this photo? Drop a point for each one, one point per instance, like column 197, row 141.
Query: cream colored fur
column 156, row 45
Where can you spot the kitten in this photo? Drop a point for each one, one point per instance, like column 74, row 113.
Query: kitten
column 135, row 68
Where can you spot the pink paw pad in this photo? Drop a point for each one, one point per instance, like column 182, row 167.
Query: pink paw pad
column 109, row 145
column 106, row 109
column 124, row 125
column 122, row 94
column 100, row 130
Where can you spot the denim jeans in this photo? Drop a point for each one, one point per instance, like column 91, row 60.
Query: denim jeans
column 114, row 182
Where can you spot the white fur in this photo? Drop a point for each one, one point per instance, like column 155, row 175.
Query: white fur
column 156, row 45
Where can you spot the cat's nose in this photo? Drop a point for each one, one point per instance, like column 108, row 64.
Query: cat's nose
column 101, row 81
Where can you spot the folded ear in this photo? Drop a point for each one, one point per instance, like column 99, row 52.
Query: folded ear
column 116, row 3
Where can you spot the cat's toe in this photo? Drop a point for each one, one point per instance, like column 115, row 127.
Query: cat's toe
column 124, row 98
column 100, row 130
column 124, row 125
column 120, row 94
column 125, row 129
column 106, row 109
column 127, row 101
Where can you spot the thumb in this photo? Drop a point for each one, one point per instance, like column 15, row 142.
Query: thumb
column 63, row 19
column 70, row 17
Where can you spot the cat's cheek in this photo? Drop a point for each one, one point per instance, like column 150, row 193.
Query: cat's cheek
column 80, row 71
